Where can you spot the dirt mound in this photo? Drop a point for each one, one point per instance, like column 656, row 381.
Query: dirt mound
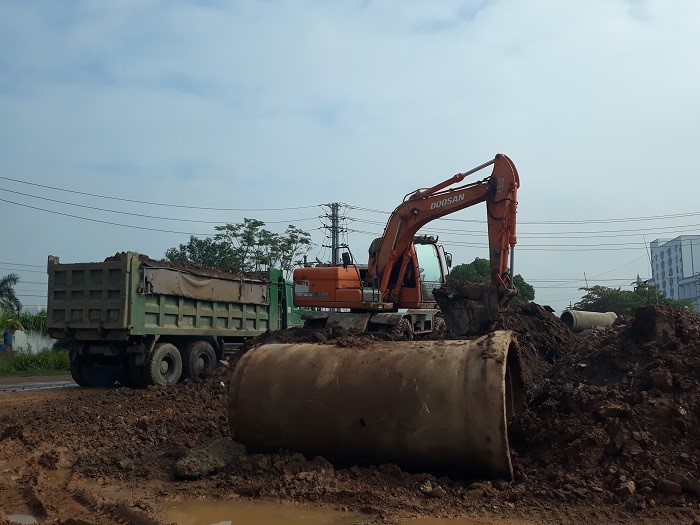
column 542, row 340
column 619, row 420
column 331, row 336
column 210, row 271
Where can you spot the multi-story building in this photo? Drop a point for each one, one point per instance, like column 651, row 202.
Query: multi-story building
column 675, row 267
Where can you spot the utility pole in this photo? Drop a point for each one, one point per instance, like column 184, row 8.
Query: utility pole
column 334, row 231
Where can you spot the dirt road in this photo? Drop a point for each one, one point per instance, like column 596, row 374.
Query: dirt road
column 612, row 436
column 8, row 384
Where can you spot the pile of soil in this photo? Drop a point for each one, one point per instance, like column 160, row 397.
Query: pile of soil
column 542, row 340
column 618, row 419
column 208, row 271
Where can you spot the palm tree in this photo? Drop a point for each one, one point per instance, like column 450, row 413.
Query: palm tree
column 8, row 298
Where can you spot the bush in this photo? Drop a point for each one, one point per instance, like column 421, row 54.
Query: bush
column 49, row 360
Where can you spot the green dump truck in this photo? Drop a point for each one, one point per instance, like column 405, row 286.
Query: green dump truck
column 136, row 321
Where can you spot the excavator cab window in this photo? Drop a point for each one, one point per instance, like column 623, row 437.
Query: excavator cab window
column 429, row 263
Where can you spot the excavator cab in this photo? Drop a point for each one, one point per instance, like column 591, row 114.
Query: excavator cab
column 426, row 270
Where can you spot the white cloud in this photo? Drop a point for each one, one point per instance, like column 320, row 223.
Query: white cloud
column 274, row 104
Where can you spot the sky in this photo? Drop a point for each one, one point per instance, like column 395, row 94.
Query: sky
column 218, row 111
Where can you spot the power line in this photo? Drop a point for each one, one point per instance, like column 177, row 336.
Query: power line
column 156, row 203
column 582, row 221
column 105, row 222
column 552, row 235
column 540, row 247
column 21, row 264
column 139, row 214
column 22, row 270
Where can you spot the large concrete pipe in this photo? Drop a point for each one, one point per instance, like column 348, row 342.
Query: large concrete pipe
column 578, row 320
column 440, row 406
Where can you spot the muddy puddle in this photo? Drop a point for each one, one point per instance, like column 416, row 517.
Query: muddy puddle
column 283, row 513
column 255, row 513
column 21, row 519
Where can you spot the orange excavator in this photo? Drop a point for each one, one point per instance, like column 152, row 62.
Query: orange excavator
column 437, row 405
column 404, row 269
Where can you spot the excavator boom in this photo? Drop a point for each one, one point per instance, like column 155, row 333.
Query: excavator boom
column 499, row 191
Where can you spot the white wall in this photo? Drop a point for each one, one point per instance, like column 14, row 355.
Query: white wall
column 31, row 341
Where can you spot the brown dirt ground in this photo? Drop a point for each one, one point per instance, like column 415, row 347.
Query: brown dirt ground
column 612, row 434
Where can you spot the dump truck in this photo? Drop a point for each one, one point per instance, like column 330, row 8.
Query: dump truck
column 441, row 405
column 137, row 321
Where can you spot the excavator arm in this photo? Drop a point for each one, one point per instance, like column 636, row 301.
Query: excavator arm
column 499, row 191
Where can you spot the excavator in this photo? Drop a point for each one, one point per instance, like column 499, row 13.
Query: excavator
column 441, row 405
column 405, row 269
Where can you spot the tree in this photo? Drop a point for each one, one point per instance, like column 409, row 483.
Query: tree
column 624, row 302
column 480, row 270
column 205, row 252
column 8, row 299
column 246, row 246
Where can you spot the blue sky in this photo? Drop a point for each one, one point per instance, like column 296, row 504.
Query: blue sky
column 279, row 104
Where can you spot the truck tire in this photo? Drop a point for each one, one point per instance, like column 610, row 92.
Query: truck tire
column 198, row 357
column 164, row 365
column 77, row 375
column 76, row 367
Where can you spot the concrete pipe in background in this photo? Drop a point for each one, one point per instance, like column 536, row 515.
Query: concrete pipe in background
column 436, row 406
column 578, row 320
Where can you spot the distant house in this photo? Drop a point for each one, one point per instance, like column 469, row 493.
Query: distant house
column 675, row 267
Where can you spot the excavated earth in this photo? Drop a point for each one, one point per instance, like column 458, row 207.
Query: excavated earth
column 611, row 435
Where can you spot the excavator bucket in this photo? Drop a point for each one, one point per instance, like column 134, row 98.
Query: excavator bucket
column 438, row 406
column 469, row 308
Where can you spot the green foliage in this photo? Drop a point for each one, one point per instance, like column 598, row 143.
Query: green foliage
column 624, row 302
column 8, row 299
column 34, row 322
column 23, row 321
column 10, row 321
column 46, row 360
column 205, row 252
column 246, row 246
column 526, row 292
column 480, row 270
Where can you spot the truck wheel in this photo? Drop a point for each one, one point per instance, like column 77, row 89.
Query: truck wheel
column 164, row 365
column 76, row 367
column 198, row 357
column 77, row 375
